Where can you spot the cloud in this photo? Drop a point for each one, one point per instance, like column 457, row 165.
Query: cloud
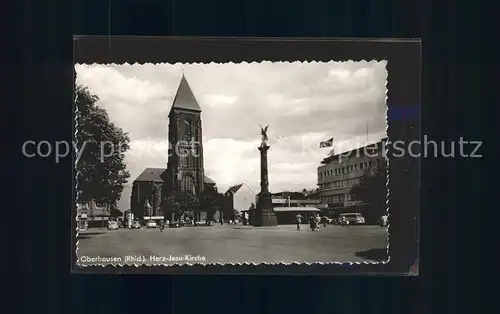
column 304, row 103
column 219, row 100
column 108, row 82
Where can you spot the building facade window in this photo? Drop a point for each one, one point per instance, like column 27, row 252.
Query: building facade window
column 188, row 130
column 188, row 185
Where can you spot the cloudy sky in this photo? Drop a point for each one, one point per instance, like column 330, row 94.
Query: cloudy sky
column 304, row 103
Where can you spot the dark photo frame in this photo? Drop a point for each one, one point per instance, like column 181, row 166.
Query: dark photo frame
column 403, row 119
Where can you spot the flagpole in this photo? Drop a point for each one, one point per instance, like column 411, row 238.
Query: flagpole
column 367, row 142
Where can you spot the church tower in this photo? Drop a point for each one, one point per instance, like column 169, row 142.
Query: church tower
column 185, row 156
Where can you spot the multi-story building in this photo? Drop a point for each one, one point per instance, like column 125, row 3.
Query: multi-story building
column 93, row 215
column 340, row 172
column 295, row 199
column 288, row 204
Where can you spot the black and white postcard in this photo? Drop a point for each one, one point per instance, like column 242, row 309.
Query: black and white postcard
column 213, row 164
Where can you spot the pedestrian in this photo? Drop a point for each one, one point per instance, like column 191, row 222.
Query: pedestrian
column 298, row 220
column 317, row 221
column 345, row 221
column 311, row 223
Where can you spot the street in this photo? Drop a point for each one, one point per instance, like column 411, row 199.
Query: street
column 233, row 244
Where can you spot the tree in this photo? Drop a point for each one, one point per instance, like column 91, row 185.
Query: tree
column 251, row 213
column 209, row 204
column 101, row 170
column 115, row 212
column 188, row 202
column 372, row 190
column 180, row 204
column 91, row 208
column 171, row 206
column 210, row 199
column 156, row 199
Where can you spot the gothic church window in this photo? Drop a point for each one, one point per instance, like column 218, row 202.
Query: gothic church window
column 188, row 185
column 188, row 130
column 188, row 137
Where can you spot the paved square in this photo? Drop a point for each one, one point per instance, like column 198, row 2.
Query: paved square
column 233, row 244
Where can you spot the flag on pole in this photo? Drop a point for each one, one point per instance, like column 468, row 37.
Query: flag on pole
column 327, row 143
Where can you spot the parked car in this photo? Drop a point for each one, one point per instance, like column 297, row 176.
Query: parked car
column 384, row 221
column 112, row 225
column 136, row 225
column 151, row 224
column 353, row 218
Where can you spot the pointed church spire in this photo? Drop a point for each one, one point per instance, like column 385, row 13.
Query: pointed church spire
column 184, row 98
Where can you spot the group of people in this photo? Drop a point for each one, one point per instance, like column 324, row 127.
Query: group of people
column 187, row 219
column 314, row 221
column 343, row 221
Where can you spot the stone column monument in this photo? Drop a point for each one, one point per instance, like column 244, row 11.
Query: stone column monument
column 264, row 212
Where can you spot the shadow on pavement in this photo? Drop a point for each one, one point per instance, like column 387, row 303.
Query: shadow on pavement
column 379, row 255
column 257, row 228
column 89, row 235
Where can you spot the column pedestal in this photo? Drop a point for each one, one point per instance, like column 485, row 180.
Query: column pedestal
column 264, row 212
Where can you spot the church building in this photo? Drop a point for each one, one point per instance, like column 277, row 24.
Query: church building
column 185, row 167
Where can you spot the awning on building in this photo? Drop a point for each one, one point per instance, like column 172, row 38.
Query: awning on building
column 291, row 209
column 154, row 217
column 296, row 209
